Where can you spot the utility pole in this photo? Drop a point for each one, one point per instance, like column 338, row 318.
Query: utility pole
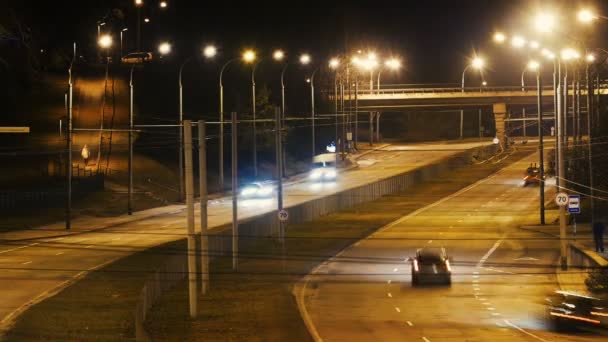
column 589, row 144
column 479, row 124
column 279, row 166
column 255, row 135
column 202, row 174
column 68, row 204
column 192, row 274
column 356, row 133
column 560, row 179
column 130, row 197
column 541, row 162
column 235, row 191
column 461, row 124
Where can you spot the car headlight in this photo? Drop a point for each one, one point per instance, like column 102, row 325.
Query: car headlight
column 265, row 190
column 249, row 191
column 330, row 174
column 316, row 174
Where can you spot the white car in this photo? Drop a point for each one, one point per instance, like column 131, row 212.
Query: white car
column 257, row 190
column 323, row 174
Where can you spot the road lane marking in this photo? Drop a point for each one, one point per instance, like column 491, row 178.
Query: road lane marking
column 27, row 262
column 388, row 281
column 410, row 323
column 430, row 241
column 397, row 309
column 18, row 248
column 58, row 253
column 425, row 339
column 524, row 331
column 487, row 255
column 114, row 239
column 89, row 246
column 495, row 313
column 390, row 295
column 395, row 269
column 491, row 308
column 496, row 270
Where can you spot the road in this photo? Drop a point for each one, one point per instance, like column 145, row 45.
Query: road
column 37, row 263
column 501, row 274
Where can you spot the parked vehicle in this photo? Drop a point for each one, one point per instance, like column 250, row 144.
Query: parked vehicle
column 137, row 58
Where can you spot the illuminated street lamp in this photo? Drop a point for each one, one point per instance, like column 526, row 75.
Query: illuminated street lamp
column 587, row 16
column 499, row 37
column 305, row 59
column 392, row 64
column 544, row 23
column 531, row 66
column 534, row 45
column 518, row 42
column 249, row 57
column 164, row 48
column 476, row 63
column 278, row 55
column 210, row 51
column 568, row 54
column 105, row 41
column 121, row 34
column 334, row 64
column 139, row 4
column 590, row 58
column 163, row 4
column 147, row 20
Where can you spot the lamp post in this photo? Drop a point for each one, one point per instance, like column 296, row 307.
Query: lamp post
column 221, row 156
column 590, row 59
column 392, row 64
column 334, row 64
column 312, row 107
column 121, row 34
column 139, row 4
column 181, row 131
column 478, row 64
column 535, row 66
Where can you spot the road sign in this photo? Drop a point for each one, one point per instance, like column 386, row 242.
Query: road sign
column 283, row 215
column 561, row 199
column 574, row 204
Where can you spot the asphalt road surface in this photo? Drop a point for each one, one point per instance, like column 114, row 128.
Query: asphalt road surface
column 501, row 274
column 36, row 263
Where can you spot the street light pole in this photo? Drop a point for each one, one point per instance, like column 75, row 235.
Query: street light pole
column 130, row 197
column 462, row 111
column 255, row 154
column 312, row 108
column 68, row 204
column 235, row 190
column 589, row 145
column 221, row 156
column 541, row 163
column 560, row 179
column 181, row 131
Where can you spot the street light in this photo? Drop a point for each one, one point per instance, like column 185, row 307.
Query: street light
column 392, row 64
column 163, row 4
column 534, row 45
column 305, row 59
column 121, row 34
column 499, row 37
column 105, row 41
column 139, row 4
column 532, row 66
column 210, row 51
column 249, row 57
column 334, row 64
column 164, row 48
column 590, row 58
column 278, row 55
column 568, row 54
column 478, row 64
column 518, row 42
column 544, row 23
column 587, row 16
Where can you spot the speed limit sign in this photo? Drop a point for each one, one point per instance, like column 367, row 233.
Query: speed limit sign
column 283, row 215
column 561, row 199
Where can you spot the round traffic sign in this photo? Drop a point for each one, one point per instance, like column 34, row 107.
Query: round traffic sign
column 283, row 215
column 561, row 199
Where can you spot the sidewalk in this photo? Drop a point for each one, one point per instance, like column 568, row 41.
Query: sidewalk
column 573, row 279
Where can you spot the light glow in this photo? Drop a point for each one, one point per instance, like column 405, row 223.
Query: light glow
column 393, row 64
column 544, row 23
column 163, row 4
column 477, row 63
column 586, row 16
column 305, row 59
column 533, row 65
column 569, row 54
column 278, row 55
column 105, row 41
column 139, row 3
column 248, row 56
column 534, row 45
column 164, row 48
column 499, row 37
column 334, row 63
column 590, row 58
column 518, row 42
column 210, row 51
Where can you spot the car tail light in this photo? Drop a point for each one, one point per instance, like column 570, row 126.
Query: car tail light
column 416, row 265
column 447, row 264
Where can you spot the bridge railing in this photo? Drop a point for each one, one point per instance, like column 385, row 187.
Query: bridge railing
column 426, row 90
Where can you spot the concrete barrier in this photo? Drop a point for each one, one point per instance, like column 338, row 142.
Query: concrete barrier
column 584, row 258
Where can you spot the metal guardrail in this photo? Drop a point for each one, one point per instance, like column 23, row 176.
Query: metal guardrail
column 395, row 91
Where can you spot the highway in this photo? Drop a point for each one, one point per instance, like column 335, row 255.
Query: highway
column 37, row 263
column 501, row 274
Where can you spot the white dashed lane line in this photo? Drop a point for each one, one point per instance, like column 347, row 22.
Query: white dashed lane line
column 18, row 248
column 58, row 253
column 410, row 323
column 425, row 339
column 397, row 309
column 26, row 263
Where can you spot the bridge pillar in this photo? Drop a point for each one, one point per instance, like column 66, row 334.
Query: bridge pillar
column 500, row 111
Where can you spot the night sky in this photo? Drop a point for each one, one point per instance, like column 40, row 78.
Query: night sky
column 434, row 38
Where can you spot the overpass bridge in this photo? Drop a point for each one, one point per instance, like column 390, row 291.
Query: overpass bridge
column 396, row 98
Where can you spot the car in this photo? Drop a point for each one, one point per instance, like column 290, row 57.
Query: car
column 257, row 190
column 431, row 265
column 532, row 176
column 137, row 58
column 567, row 309
column 324, row 168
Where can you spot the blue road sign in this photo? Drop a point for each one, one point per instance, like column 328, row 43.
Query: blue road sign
column 574, row 204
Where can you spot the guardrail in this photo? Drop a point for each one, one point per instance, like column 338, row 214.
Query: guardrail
column 393, row 91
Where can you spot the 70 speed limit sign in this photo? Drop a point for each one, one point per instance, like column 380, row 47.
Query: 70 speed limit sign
column 561, row 199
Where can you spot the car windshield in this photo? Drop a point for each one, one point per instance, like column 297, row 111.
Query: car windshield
column 430, row 255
